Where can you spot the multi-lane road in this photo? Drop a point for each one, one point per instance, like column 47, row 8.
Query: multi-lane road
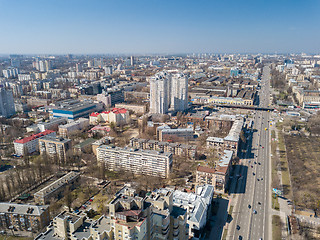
column 251, row 209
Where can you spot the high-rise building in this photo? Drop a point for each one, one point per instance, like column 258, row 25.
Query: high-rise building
column 107, row 70
column 10, row 72
column 179, row 92
column 78, row 67
column 168, row 91
column 132, row 62
column 6, row 103
column 159, row 93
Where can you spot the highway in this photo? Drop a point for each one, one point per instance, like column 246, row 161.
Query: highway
column 251, row 211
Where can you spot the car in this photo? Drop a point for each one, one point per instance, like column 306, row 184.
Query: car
column 238, row 227
column 259, row 203
column 254, row 211
column 251, row 166
column 261, row 179
column 262, row 147
column 249, row 206
column 259, row 163
column 258, row 179
column 253, row 174
column 260, row 238
column 240, row 237
column 255, row 162
column 249, row 161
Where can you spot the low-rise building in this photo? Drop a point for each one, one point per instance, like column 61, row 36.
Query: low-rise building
column 133, row 107
column 149, row 162
column 55, row 147
column 70, row 128
column 52, row 124
column 73, row 109
column 116, row 115
column 103, row 141
column 218, row 176
column 30, row 144
column 165, row 133
column 231, row 141
column 56, row 189
column 23, row 217
column 178, row 149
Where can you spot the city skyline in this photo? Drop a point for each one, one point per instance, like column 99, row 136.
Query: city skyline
column 145, row 27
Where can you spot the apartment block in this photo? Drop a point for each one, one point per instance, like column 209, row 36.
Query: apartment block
column 138, row 161
column 52, row 124
column 54, row 147
column 178, row 149
column 55, row 190
column 30, row 144
column 165, row 133
column 23, row 217
column 218, row 176
column 231, row 141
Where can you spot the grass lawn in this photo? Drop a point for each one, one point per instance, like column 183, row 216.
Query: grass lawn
column 275, row 202
column 276, row 227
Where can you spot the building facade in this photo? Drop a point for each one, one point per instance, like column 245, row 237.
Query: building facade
column 7, row 108
column 23, row 217
column 138, row 161
column 30, row 144
column 55, row 147
column 72, row 127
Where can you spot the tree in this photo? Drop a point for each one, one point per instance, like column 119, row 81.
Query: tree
column 68, row 198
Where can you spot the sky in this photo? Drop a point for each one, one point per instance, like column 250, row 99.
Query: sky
column 159, row 26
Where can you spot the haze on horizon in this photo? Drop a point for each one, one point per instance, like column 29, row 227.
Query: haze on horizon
column 153, row 26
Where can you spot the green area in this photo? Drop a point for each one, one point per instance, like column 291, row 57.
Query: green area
column 276, row 227
column 275, row 202
column 14, row 238
column 284, row 165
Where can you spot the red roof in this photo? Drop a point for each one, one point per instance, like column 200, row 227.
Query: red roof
column 94, row 114
column 119, row 110
column 34, row 136
column 206, row 169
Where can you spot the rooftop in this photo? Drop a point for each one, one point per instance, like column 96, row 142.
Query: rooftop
column 33, row 137
column 26, row 209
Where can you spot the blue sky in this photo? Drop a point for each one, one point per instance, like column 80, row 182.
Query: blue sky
column 159, row 26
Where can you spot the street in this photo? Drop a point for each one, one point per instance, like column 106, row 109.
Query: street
column 251, row 211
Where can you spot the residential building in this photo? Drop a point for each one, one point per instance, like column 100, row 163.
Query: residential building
column 179, row 92
column 10, row 72
column 116, row 115
column 178, row 149
column 165, row 133
column 30, row 144
column 138, row 161
column 132, row 107
column 103, row 141
column 55, row 147
column 72, row 127
column 197, row 205
column 231, row 141
column 55, row 190
column 23, row 217
column 111, row 97
column 218, row 176
column 73, row 109
column 7, row 108
column 160, row 93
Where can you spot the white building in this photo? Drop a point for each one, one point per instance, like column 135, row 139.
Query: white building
column 10, row 72
column 30, row 144
column 179, row 92
column 70, row 128
column 168, row 90
column 138, row 161
column 52, row 124
column 159, row 93
column 116, row 115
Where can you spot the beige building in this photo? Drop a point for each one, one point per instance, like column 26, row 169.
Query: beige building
column 133, row 107
column 218, row 176
column 55, row 147
column 72, row 127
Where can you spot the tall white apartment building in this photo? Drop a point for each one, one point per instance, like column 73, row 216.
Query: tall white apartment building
column 179, row 92
column 138, row 161
column 160, row 93
column 168, row 91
